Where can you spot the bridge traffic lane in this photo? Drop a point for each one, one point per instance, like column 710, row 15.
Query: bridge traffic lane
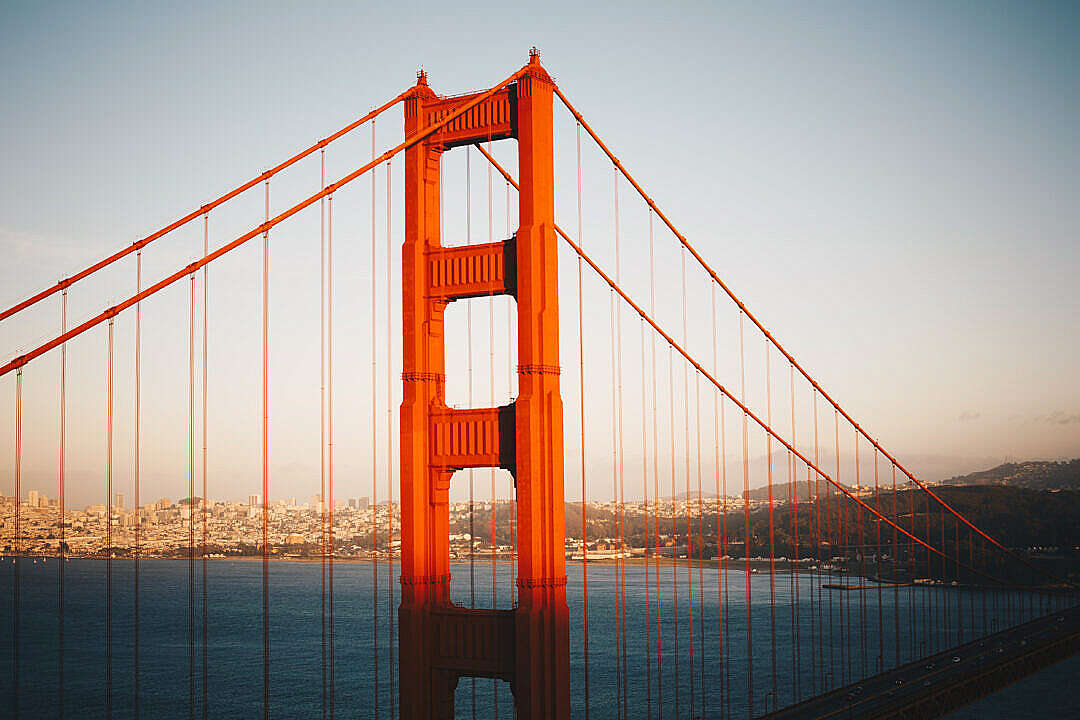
column 938, row 684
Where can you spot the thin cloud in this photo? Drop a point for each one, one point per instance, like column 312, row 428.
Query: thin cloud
column 968, row 416
column 1059, row 418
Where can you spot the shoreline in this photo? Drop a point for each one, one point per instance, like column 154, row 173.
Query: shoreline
column 757, row 564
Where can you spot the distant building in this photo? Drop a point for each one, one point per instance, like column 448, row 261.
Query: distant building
column 253, row 500
column 118, row 503
column 363, row 504
column 292, row 502
column 164, row 504
column 352, row 503
column 32, row 498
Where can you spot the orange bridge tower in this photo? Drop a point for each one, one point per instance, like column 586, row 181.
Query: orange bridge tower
column 440, row 643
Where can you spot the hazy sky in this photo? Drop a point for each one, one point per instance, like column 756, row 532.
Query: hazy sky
column 892, row 188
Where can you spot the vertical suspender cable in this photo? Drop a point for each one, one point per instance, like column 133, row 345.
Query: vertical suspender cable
column 828, row 533
column 912, row 597
column 971, row 539
column 16, row 547
column 877, row 571
column 374, row 451
column 896, row 573
column 928, row 596
column 581, row 410
column 726, row 629
column 946, row 609
column 510, row 378
column 137, row 466
column 330, row 442
column 645, row 495
column 971, row 564
column 491, row 394
column 620, row 558
column 490, row 380
column 63, row 501
column 266, row 458
column 793, row 552
column 469, row 381
column 615, row 491
column 645, row 488
column 746, row 527
column 959, row 594
column 191, row 504
column 793, row 567
column 674, row 535
column 390, row 448
column 772, row 544
column 656, row 469
column 206, row 315
column 701, row 545
column 845, row 657
column 322, row 425
column 686, row 504
column 721, row 544
column 813, row 517
column 860, row 545
column 108, row 526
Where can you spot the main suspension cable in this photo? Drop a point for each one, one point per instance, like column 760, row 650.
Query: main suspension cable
column 676, row 347
column 262, row 229
column 716, row 279
column 140, row 244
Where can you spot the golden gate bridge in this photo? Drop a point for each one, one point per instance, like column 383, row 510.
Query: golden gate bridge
column 884, row 600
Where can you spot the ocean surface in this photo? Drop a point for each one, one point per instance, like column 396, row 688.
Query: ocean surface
column 365, row 658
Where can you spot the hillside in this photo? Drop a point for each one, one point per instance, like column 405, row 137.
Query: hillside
column 1034, row 475
column 781, row 492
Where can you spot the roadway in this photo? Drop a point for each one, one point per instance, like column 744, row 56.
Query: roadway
column 939, row 684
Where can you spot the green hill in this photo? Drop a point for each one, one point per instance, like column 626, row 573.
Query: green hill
column 1034, row 475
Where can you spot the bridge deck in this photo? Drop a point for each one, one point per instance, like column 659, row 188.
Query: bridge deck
column 939, row 684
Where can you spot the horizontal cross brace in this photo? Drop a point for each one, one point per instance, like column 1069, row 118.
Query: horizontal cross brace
column 480, row 437
column 493, row 119
column 474, row 642
column 472, row 271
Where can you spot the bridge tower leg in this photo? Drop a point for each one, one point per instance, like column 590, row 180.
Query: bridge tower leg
column 528, row 646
